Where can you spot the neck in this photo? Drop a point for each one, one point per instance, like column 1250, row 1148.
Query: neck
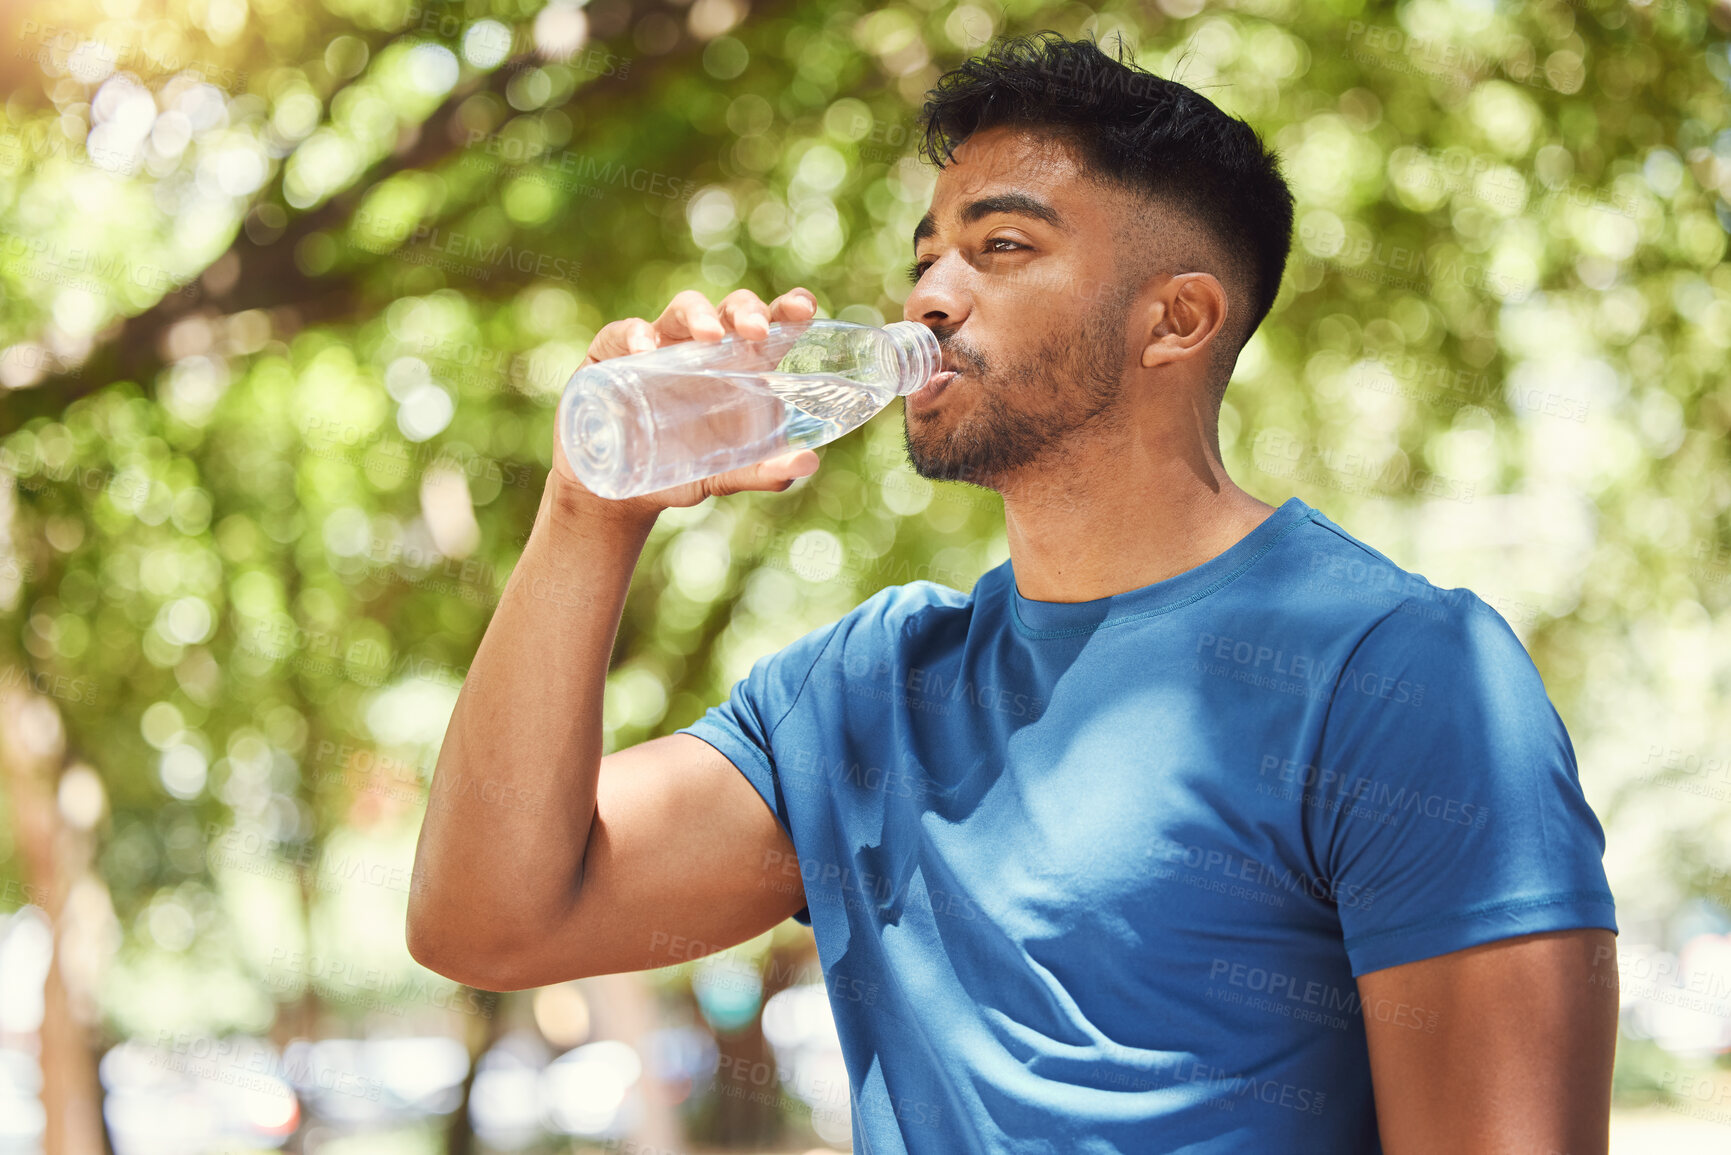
column 1133, row 511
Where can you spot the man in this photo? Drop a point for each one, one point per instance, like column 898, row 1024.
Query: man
column 1198, row 825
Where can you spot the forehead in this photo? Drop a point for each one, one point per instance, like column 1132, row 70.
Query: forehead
column 1005, row 159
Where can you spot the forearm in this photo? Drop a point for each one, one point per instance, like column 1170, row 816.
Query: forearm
column 513, row 794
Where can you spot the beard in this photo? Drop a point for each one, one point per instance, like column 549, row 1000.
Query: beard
column 1027, row 409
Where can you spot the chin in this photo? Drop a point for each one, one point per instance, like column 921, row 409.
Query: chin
column 955, row 467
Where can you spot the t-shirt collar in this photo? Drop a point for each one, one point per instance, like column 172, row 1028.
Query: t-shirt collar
column 1058, row 618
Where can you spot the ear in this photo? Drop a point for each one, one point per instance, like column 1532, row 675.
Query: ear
column 1187, row 312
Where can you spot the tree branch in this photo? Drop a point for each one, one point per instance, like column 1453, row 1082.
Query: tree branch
column 266, row 276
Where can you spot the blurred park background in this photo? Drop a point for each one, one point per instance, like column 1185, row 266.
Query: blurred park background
column 288, row 291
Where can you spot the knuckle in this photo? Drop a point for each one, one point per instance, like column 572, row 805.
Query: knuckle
column 613, row 336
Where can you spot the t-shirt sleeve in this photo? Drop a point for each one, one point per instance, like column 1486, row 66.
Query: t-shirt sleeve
column 743, row 727
column 1454, row 814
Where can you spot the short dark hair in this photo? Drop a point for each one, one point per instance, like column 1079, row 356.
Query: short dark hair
column 1139, row 132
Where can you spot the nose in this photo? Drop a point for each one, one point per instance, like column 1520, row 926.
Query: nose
column 939, row 297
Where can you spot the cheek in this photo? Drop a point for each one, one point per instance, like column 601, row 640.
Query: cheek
column 1024, row 329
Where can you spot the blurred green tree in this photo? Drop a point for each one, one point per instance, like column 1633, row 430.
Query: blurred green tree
column 287, row 295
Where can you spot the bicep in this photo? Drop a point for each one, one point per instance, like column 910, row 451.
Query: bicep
column 684, row 859
column 1504, row 1047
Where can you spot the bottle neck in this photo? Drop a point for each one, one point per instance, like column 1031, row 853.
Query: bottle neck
column 917, row 352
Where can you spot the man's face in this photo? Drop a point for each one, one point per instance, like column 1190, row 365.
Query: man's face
column 1018, row 280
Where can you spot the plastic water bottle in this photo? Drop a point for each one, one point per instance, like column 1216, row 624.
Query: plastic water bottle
column 635, row 424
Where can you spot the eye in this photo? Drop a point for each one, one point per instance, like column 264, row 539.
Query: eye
column 918, row 268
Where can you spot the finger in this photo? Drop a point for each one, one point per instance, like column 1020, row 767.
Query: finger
column 689, row 316
column 777, row 473
column 793, row 305
column 618, row 338
column 793, row 466
column 744, row 312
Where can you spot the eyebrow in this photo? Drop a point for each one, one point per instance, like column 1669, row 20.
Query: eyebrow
column 1015, row 203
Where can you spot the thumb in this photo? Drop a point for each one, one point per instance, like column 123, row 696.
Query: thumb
column 789, row 466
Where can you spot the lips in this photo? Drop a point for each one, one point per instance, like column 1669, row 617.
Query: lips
column 937, row 384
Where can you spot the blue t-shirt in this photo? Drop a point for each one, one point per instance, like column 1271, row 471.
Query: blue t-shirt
column 1099, row 876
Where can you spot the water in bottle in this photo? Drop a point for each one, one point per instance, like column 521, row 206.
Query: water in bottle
column 632, row 425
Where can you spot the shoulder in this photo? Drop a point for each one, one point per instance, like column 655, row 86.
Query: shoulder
column 907, row 609
column 875, row 626
column 1341, row 572
column 1401, row 627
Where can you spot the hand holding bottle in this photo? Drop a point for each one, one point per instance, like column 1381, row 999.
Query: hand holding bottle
column 691, row 317
column 654, row 420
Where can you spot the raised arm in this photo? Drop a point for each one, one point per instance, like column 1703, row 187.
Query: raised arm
column 540, row 860
column 1500, row 1049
